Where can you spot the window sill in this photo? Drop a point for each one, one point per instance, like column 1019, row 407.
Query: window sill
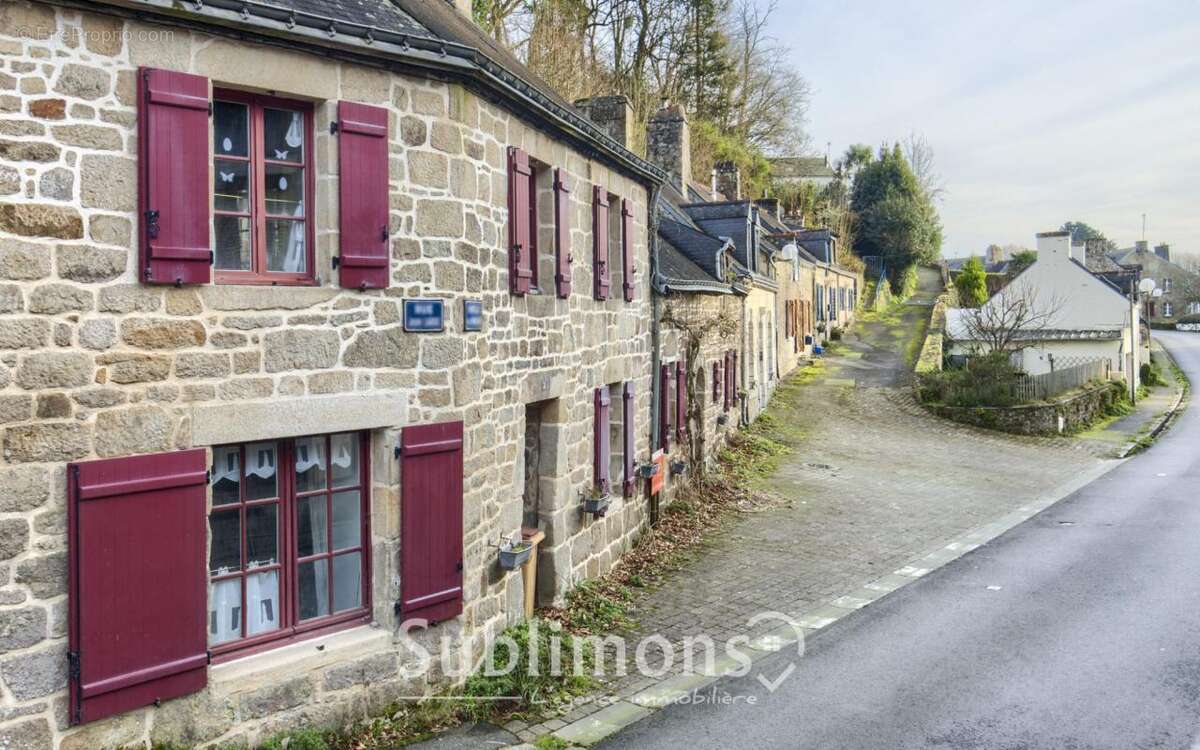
column 300, row 657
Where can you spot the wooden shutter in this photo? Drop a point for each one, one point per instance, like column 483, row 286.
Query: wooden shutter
column 363, row 200
column 716, row 382
column 664, row 407
column 680, row 399
column 627, row 283
column 733, row 377
column 520, row 239
column 628, row 427
column 601, row 447
column 728, row 381
column 600, row 284
column 137, row 554
column 174, row 245
column 431, row 521
column 562, row 234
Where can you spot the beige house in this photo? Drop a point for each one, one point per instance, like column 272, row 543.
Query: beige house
column 300, row 320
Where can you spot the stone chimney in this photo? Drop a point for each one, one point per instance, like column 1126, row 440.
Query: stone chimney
column 727, row 180
column 1163, row 251
column 1054, row 247
column 612, row 114
column 669, row 144
column 995, row 254
column 1142, row 246
column 1096, row 252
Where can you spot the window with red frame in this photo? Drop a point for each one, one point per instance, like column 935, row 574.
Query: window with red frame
column 289, row 530
column 262, row 189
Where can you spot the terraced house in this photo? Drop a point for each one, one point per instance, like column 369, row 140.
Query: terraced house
column 307, row 307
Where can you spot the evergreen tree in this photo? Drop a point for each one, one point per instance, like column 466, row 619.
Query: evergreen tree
column 896, row 217
column 707, row 71
column 971, row 283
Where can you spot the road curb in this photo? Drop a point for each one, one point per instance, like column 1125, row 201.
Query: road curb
column 1165, row 421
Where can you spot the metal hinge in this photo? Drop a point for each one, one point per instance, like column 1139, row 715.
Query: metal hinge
column 333, row 128
column 73, row 665
column 208, row 476
column 212, row 257
column 335, row 261
column 397, row 451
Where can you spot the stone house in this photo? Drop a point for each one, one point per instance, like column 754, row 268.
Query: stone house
column 301, row 318
column 1070, row 316
column 1179, row 287
column 803, row 169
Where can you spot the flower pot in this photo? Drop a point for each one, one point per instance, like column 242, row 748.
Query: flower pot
column 647, row 470
column 512, row 557
column 678, row 468
column 597, row 506
column 722, row 419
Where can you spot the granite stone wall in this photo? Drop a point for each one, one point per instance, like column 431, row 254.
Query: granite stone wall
column 95, row 364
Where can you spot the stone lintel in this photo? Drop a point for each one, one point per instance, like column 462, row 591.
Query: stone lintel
column 217, row 424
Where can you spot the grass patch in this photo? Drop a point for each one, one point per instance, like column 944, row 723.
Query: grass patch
column 550, row 742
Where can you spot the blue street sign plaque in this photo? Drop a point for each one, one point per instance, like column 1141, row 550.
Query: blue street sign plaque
column 472, row 315
column 422, row 315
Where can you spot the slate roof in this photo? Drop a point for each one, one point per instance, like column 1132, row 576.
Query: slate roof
column 687, row 258
column 954, row 265
column 800, row 167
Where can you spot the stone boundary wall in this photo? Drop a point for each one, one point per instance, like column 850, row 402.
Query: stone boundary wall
column 932, row 351
column 1076, row 412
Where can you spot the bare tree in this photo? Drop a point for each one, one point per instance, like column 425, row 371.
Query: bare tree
column 1012, row 318
column 772, row 97
column 920, row 157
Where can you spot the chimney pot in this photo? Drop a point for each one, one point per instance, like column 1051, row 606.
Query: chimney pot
column 727, row 180
column 612, row 114
column 669, row 144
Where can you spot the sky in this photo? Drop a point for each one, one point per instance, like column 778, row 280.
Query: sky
column 1037, row 112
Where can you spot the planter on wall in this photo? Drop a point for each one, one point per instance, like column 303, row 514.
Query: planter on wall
column 597, row 505
column 513, row 556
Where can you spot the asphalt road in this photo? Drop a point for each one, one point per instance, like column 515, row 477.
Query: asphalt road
column 1078, row 629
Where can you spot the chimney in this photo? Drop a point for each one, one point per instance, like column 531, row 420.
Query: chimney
column 727, row 180
column 1142, row 246
column 995, row 254
column 1163, row 251
column 1054, row 247
column 669, row 144
column 1095, row 253
column 612, row 114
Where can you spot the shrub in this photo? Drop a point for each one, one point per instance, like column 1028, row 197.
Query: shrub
column 300, row 739
column 1152, row 375
column 987, row 381
column 835, row 334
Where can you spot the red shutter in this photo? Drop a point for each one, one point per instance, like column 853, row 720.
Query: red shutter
column 716, row 380
column 629, row 435
column 363, row 199
column 562, row 233
column 173, row 178
column 728, row 381
column 680, row 399
column 138, row 539
column 664, row 408
column 601, row 447
column 431, row 521
column 600, row 242
column 627, row 283
column 733, row 377
column 520, row 240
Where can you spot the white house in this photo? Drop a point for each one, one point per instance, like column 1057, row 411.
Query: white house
column 1067, row 315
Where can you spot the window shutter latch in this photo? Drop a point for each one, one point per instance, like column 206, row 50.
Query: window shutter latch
column 335, row 261
column 152, row 224
column 383, row 233
column 333, row 127
column 73, row 665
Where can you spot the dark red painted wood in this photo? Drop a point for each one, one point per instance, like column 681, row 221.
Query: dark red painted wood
column 728, row 381
column 431, row 521
column 680, row 399
column 629, row 435
column 601, row 445
column 562, row 234
column 600, row 285
column 138, row 537
column 733, row 378
column 716, row 382
column 627, row 282
column 664, row 408
column 174, row 246
column 520, row 237
column 363, row 202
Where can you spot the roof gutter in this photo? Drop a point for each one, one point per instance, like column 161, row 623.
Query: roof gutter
column 261, row 22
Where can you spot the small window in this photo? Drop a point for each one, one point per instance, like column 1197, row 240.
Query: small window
column 289, row 533
column 262, row 189
column 1168, row 310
